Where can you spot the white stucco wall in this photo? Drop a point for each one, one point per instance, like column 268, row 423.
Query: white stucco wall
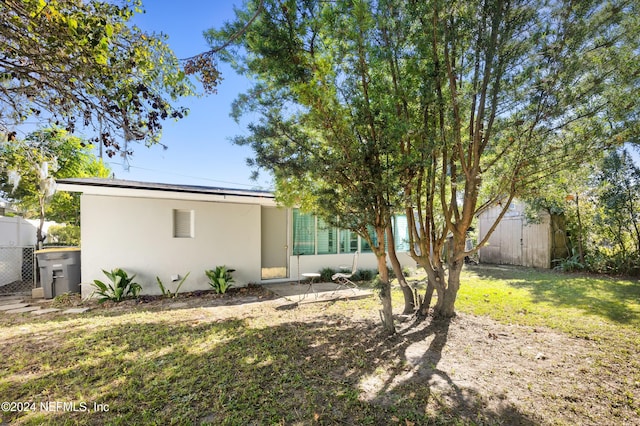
column 136, row 234
column 311, row 263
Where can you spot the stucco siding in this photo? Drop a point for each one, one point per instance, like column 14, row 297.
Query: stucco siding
column 136, row 234
column 315, row 263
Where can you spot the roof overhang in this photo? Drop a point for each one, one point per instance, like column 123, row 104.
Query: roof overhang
column 135, row 189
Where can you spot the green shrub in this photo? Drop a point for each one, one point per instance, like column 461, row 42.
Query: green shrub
column 365, row 275
column 220, row 279
column 326, row 274
column 121, row 286
column 68, row 235
column 165, row 290
column 570, row 264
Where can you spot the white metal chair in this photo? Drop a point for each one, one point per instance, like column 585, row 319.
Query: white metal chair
column 343, row 279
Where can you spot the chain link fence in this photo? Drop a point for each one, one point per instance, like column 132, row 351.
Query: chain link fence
column 17, row 269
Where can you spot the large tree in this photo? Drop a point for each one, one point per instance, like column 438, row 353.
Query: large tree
column 517, row 90
column 80, row 64
column 442, row 108
column 322, row 132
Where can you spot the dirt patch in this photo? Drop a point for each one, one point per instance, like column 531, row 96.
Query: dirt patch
column 520, row 375
column 207, row 298
column 473, row 367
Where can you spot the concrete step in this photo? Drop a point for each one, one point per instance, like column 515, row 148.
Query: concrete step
column 23, row 310
column 76, row 311
column 44, row 311
column 10, row 300
column 13, row 306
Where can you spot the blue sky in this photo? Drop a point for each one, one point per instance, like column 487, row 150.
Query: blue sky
column 200, row 152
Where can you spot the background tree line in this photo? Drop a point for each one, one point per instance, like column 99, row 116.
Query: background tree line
column 601, row 205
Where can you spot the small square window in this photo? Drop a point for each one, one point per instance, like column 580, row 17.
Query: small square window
column 183, row 223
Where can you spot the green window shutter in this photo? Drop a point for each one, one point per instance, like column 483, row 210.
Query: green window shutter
column 303, row 233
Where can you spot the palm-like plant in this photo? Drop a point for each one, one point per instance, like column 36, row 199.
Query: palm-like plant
column 121, row 286
column 220, row 279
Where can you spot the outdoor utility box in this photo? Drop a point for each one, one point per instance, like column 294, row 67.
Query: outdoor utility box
column 59, row 271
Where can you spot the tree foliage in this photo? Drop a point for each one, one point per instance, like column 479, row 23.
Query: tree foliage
column 321, row 132
column 80, row 64
column 618, row 216
column 440, row 108
column 29, row 167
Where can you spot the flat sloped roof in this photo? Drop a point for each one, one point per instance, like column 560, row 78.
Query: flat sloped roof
column 86, row 185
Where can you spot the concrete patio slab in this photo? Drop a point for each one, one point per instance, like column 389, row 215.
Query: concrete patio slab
column 324, row 291
column 14, row 305
column 76, row 311
column 9, row 300
column 23, row 310
column 45, row 311
column 178, row 305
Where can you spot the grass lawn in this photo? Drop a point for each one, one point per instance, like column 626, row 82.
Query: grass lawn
column 528, row 347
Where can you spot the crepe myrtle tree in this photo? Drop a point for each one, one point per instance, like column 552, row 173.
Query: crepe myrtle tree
column 515, row 91
column 438, row 108
column 82, row 65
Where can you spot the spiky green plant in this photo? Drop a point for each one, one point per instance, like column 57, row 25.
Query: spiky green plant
column 165, row 290
column 220, row 279
column 120, row 288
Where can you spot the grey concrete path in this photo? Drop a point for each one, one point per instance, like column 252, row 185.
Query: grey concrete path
column 21, row 304
column 304, row 293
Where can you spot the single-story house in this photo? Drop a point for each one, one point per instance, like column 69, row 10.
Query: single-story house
column 518, row 241
column 162, row 230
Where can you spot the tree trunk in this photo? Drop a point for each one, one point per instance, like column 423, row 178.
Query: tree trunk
column 385, row 296
column 426, row 303
column 39, row 235
column 435, row 282
column 407, row 291
column 445, row 307
column 385, row 286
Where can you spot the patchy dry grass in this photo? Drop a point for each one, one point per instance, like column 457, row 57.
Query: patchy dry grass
column 528, row 347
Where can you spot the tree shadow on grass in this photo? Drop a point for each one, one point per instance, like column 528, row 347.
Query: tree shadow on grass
column 420, row 349
column 227, row 372
column 615, row 299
